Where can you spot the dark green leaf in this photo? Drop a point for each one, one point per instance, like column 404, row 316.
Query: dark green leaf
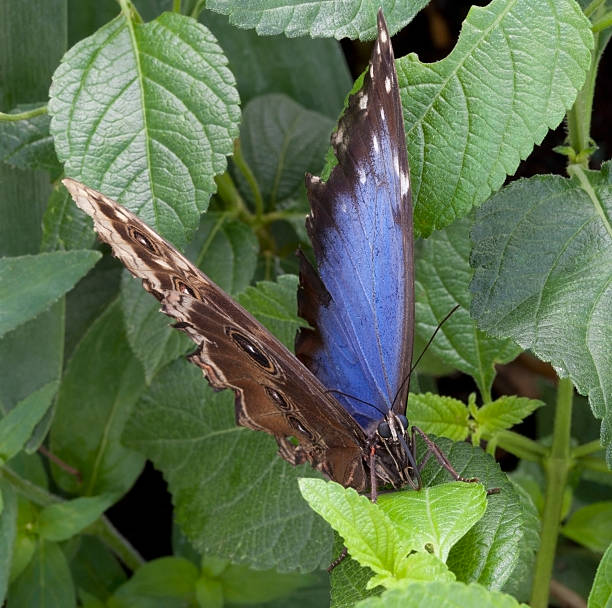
column 8, row 532
column 100, row 385
column 444, row 595
column 17, row 426
column 275, row 64
column 153, row 128
column 543, row 267
column 64, row 225
column 30, row 284
column 489, row 551
column 234, row 497
column 95, row 569
column 27, row 144
column 317, row 18
column 281, row 140
column 226, row 250
column 471, row 117
column 154, row 342
column 590, row 526
column 46, row 581
column 442, row 274
column 63, row 520
column 167, row 582
column 274, row 305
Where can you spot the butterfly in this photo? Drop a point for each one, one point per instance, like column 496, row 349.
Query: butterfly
column 340, row 402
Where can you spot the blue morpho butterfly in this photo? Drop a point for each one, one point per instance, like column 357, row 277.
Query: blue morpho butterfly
column 341, row 404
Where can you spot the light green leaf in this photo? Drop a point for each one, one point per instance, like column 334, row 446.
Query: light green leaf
column 590, row 526
column 442, row 276
column 421, row 566
column 146, row 113
column 369, row 535
column 166, row 581
column 17, row 426
column 274, row 305
column 601, row 592
column 503, row 413
column 318, row 18
column 63, row 520
column 30, row 284
column 441, row 416
column 280, row 141
column 27, row 144
column 46, row 580
column 543, row 276
column 435, row 518
column 443, row 595
column 471, row 117
column 234, row 497
column 100, row 385
column 275, row 64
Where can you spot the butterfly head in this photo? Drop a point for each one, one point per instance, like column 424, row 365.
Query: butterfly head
column 395, row 462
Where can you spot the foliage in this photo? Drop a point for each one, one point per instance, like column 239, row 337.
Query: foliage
column 144, row 106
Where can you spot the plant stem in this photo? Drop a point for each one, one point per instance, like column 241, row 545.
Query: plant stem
column 244, row 168
column 23, row 115
column 520, row 446
column 557, row 467
column 586, row 449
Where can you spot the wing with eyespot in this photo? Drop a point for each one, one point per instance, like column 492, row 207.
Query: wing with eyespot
column 274, row 392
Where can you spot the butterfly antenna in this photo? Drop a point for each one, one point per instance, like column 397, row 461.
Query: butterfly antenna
column 339, row 392
column 407, row 378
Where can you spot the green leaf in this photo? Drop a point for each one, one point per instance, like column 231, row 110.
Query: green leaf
column 601, row 592
column 442, row 276
column 95, row 569
column 8, row 533
column 503, row 413
column 46, row 581
column 417, row 567
column 318, row 18
column 519, row 582
column 17, row 426
column 543, row 267
column 471, row 117
column 63, row 520
column 442, row 594
column 27, row 144
column 489, row 551
column 147, row 113
column 274, row 305
column 280, row 141
column 165, row 582
column 275, row 64
column 100, row 385
column 369, row 535
column 435, row 518
column 64, row 225
column 32, row 283
column 154, row 342
column 590, row 526
column 441, row 416
column 234, row 497
column 226, row 250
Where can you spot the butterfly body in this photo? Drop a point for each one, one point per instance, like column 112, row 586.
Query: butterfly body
column 343, row 398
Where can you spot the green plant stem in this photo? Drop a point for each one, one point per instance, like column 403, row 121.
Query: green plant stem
column 557, row 466
column 102, row 528
column 586, row 449
column 603, row 23
column 521, row 447
column 23, row 115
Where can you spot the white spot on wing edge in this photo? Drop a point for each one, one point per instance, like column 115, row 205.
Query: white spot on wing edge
column 375, row 143
column 371, row 71
column 383, row 36
column 404, row 183
column 382, row 114
column 363, row 102
column 362, row 175
column 387, row 84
